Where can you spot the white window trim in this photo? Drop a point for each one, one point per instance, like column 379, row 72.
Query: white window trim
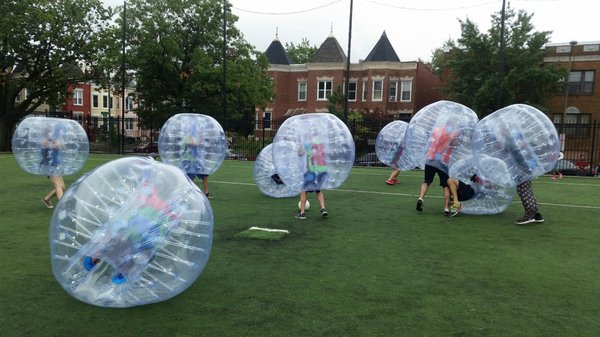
column 325, row 90
column 270, row 112
column 305, row 91
column 364, row 91
column 402, row 90
column 377, row 80
column 78, row 97
column 355, row 90
column 394, row 97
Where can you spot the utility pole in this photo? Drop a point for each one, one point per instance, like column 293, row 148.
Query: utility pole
column 572, row 45
column 224, row 88
column 501, row 56
column 346, row 91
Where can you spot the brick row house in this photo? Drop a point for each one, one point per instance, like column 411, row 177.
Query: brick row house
column 380, row 86
column 579, row 105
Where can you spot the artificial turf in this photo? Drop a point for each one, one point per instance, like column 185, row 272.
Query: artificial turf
column 373, row 267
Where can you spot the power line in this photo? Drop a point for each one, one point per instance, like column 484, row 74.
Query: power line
column 287, row 13
column 431, row 9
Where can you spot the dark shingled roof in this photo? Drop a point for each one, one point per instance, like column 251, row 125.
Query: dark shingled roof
column 276, row 54
column 383, row 51
column 329, row 51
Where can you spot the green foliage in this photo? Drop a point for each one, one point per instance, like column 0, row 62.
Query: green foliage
column 302, row 52
column 335, row 102
column 42, row 46
column 176, row 51
column 474, row 65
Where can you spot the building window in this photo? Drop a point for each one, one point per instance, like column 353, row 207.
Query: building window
column 267, row 120
column 352, row 91
column 94, row 101
column 105, row 101
column 406, row 91
column 324, row 90
column 364, row 91
column 377, row 90
column 581, row 82
column 129, row 123
column 301, row 91
column 393, row 92
column 77, row 97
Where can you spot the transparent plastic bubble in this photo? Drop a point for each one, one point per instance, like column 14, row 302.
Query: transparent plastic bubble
column 131, row 232
column 313, row 152
column 50, row 146
column 266, row 178
column 193, row 142
column 389, row 146
column 439, row 133
column 495, row 192
column 522, row 137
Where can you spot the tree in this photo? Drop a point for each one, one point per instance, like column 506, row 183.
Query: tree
column 301, row 53
column 176, row 49
column 472, row 64
column 41, row 42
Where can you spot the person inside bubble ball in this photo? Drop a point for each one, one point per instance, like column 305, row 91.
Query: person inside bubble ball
column 315, row 174
column 129, row 245
column 192, row 152
column 429, row 173
column 532, row 212
column 50, row 152
column 440, row 147
column 461, row 191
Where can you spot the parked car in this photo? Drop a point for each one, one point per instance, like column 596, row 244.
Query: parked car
column 146, row 148
column 369, row 159
column 230, row 154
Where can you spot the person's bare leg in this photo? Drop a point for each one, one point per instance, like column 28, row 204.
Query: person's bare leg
column 205, row 184
column 59, row 186
column 302, row 201
column 321, row 199
column 423, row 192
column 453, row 186
column 447, row 197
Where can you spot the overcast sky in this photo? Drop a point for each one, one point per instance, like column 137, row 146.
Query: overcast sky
column 415, row 28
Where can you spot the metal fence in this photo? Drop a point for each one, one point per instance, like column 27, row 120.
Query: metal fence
column 579, row 142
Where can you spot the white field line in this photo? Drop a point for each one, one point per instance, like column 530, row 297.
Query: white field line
column 270, row 230
column 409, row 195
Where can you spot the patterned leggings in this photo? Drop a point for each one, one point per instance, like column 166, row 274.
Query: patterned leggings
column 527, row 198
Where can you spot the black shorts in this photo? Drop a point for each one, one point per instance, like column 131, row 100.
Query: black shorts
column 464, row 191
column 430, row 172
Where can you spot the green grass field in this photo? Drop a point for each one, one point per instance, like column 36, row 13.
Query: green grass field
column 374, row 267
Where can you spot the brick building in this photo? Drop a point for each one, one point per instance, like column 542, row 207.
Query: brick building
column 380, row 85
column 580, row 104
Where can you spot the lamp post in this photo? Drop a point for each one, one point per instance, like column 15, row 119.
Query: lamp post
column 123, row 79
column 564, row 117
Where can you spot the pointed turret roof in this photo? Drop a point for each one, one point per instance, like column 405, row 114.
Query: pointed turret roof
column 276, row 54
column 383, row 51
column 329, row 51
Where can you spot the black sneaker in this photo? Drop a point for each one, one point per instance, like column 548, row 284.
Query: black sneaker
column 525, row 220
column 209, row 196
column 538, row 217
column 47, row 203
column 446, row 213
column 300, row 216
column 419, row 205
column 323, row 212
